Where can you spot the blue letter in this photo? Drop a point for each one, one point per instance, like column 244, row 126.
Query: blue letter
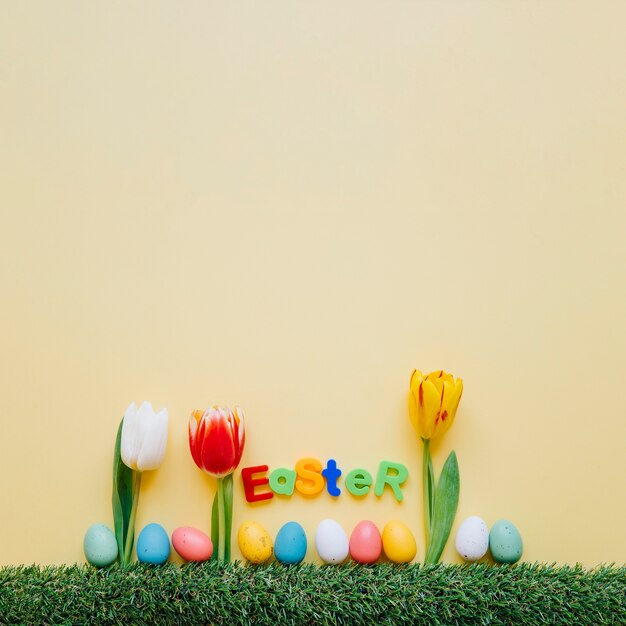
column 331, row 474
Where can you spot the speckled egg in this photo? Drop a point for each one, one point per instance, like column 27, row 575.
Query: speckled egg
column 505, row 542
column 290, row 545
column 255, row 542
column 365, row 543
column 472, row 539
column 100, row 545
column 398, row 542
column 153, row 545
column 331, row 542
column 192, row 544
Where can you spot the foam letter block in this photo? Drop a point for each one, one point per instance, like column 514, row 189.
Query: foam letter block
column 282, row 481
column 358, row 482
column 250, row 483
column 310, row 481
column 399, row 473
column 331, row 474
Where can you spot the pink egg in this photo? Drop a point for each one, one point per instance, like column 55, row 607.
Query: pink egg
column 365, row 543
column 192, row 544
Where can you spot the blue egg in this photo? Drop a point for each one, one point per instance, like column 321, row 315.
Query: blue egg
column 290, row 544
column 153, row 545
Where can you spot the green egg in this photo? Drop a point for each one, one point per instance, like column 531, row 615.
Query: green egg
column 505, row 542
column 100, row 545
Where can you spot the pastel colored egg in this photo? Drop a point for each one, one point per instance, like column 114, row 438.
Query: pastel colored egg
column 365, row 543
column 331, row 542
column 153, row 545
column 505, row 542
column 100, row 545
column 398, row 542
column 192, row 544
column 255, row 542
column 290, row 545
column 472, row 539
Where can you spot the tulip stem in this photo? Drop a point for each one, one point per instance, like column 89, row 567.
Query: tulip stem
column 428, row 489
column 130, row 535
column 222, row 520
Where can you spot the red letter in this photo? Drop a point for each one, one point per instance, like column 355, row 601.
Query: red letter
column 250, row 483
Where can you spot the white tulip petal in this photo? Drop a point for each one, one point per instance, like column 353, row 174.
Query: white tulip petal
column 145, row 412
column 153, row 441
column 128, row 445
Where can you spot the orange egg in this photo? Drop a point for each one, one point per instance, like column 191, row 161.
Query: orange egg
column 365, row 543
column 192, row 544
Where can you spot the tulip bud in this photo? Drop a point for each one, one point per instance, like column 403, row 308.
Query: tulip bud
column 216, row 439
column 144, row 437
column 433, row 401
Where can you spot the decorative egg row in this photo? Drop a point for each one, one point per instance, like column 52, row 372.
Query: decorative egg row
column 365, row 545
column 473, row 539
column 153, row 545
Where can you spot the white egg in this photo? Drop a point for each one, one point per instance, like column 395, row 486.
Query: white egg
column 331, row 542
column 472, row 539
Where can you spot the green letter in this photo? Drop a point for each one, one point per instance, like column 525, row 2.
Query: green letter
column 394, row 480
column 282, row 481
column 358, row 482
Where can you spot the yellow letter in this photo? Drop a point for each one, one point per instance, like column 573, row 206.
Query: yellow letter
column 310, row 481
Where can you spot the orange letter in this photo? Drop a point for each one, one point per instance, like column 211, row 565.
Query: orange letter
column 310, row 481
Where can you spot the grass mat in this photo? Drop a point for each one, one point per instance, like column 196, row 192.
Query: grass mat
column 308, row 594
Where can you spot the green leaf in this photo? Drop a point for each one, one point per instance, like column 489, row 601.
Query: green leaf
column 228, row 515
column 215, row 527
column 122, row 497
column 446, row 501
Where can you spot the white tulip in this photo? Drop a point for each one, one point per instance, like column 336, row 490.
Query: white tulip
column 144, row 437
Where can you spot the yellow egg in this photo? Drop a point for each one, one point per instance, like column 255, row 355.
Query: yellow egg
column 254, row 542
column 398, row 542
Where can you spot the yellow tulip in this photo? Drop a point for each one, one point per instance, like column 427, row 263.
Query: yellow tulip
column 433, row 401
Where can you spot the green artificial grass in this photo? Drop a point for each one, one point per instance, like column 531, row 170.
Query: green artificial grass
column 308, row 594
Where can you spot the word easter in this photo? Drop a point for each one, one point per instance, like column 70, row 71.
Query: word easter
column 309, row 477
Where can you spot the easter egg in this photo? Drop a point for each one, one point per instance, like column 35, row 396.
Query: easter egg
column 100, row 545
column 153, row 545
column 254, row 542
column 505, row 542
column 192, row 544
column 290, row 545
column 398, row 542
column 472, row 539
column 365, row 543
column 331, row 542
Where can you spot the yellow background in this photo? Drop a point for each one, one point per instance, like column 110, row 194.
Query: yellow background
column 289, row 206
